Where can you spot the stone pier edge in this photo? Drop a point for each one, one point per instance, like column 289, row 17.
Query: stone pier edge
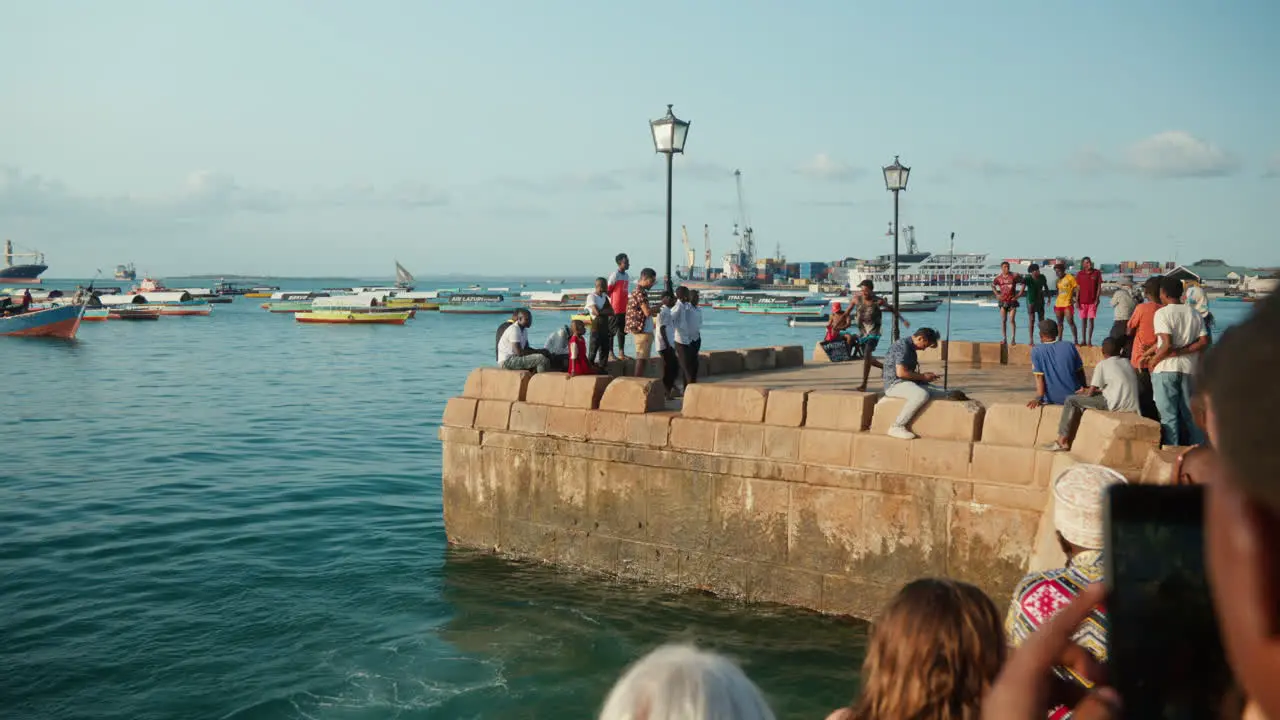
column 789, row 496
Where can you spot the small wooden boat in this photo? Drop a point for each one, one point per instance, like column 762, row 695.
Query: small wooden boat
column 560, row 301
column 927, row 305
column 808, row 320
column 429, row 300
column 491, row 303
column 60, row 321
column 132, row 312
column 291, row 302
column 348, row 317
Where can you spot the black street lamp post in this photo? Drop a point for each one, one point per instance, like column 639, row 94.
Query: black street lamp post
column 668, row 138
column 895, row 181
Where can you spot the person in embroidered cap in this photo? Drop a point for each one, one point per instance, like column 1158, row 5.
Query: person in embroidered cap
column 1079, row 495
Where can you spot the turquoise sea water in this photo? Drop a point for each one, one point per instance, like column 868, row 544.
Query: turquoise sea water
column 239, row 517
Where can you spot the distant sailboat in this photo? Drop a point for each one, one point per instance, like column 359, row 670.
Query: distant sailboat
column 403, row 279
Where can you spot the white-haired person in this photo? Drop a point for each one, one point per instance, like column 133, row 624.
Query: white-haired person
column 681, row 682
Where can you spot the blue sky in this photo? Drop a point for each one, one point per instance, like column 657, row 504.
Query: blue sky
column 503, row 137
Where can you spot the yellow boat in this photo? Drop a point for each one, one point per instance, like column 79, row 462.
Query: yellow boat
column 347, row 317
column 410, row 302
column 258, row 294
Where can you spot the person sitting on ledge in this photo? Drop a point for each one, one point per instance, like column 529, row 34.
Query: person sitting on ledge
column 502, row 329
column 903, row 379
column 1078, row 495
column 839, row 321
column 514, row 352
column 934, row 652
column 557, row 347
column 1056, row 366
column 1114, row 388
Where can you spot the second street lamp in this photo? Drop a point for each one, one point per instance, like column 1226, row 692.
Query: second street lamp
column 668, row 138
column 895, row 181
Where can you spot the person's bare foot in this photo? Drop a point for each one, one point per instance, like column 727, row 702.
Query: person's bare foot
column 862, row 387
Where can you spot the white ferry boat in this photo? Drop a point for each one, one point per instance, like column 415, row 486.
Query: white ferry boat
column 929, row 273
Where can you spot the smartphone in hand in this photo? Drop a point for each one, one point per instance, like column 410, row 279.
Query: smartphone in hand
column 1164, row 654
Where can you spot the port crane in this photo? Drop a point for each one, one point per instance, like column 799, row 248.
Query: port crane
column 688, row 252
column 706, row 238
column 745, row 257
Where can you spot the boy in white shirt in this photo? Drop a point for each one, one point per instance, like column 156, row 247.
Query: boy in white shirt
column 1180, row 337
column 687, row 317
column 599, row 335
column 672, row 362
column 1114, row 388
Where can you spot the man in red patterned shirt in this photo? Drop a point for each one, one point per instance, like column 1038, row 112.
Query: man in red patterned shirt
column 1005, row 286
column 639, row 318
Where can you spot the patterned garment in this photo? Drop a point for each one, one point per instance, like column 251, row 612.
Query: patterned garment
column 1007, row 286
column 869, row 315
column 635, row 312
column 901, row 352
column 1040, row 595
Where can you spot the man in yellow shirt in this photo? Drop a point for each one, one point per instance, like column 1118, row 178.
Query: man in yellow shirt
column 1064, row 306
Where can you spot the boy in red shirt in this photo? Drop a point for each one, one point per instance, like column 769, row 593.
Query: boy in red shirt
column 578, row 363
column 619, row 288
column 1089, row 284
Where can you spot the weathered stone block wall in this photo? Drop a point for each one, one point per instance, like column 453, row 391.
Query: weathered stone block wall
column 793, row 496
column 978, row 354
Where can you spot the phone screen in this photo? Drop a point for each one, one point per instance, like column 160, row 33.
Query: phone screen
column 1164, row 654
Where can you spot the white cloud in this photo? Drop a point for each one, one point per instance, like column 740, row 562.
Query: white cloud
column 824, row 167
column 204, row 195
column 1179, row 154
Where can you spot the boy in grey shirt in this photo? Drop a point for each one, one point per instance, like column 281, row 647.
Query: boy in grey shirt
column 1114, row 388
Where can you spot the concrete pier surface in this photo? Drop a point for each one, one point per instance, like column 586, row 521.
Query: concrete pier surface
column 773, row 480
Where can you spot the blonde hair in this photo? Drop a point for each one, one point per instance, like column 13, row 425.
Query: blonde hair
column 933, row 654
column 681, row 682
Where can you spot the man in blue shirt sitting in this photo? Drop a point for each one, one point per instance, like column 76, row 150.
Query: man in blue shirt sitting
column 1057, row 368
column 903, row 379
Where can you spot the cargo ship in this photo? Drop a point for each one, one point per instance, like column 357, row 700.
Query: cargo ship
column 126, row 272
column 28, row 273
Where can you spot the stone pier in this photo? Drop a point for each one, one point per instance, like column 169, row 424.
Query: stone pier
column 772, row 481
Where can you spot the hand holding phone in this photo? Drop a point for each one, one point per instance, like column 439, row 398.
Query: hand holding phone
column 1164, row 654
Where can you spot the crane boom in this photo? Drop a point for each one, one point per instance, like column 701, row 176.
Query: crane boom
column 706, row 237
column 688, row 251
column 746, row 242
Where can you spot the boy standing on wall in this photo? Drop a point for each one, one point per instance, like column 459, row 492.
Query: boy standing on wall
column 1037, row 289
column 1065, row 306
column 639, row 318
column 1005, row 287
column 1089, row 284
column 619, row 287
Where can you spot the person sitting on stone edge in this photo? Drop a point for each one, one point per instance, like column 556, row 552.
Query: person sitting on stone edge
column 514, row 352
column 1114, row 388
column 1078, row 497
column 1057, row 368
column 903, row 379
